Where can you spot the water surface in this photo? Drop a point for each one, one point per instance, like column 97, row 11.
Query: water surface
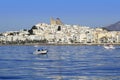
column 61, row 63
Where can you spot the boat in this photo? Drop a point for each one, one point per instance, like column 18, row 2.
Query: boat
column 35, row 45
column 109, row 47
column 40, row 51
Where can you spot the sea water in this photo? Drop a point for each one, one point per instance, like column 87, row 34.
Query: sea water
column 60, row 63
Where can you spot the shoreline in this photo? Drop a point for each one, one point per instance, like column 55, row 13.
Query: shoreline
column 59, row 44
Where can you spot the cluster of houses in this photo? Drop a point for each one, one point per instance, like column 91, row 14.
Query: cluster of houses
column 58, row 33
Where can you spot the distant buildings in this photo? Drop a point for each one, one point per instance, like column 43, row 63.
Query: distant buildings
column 58, row 33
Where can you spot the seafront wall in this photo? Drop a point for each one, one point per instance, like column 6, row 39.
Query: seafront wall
column 58, row 44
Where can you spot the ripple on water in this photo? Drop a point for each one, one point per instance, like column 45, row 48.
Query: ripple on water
column 61, row 63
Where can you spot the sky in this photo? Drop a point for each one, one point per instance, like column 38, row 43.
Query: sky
column 23, row 14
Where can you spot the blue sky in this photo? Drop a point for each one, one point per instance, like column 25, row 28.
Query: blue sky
column 23, row 14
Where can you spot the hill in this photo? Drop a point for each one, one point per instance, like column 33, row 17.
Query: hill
column 113, row 27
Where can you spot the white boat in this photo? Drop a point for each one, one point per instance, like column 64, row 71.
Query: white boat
column 35, row 45
column 109, row 47
column 37, row 52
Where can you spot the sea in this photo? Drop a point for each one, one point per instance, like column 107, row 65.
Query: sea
column 60, row 63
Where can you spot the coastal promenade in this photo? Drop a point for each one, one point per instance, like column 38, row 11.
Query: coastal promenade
column 60, row 44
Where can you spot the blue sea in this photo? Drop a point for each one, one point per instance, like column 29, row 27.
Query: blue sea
column 60, row 63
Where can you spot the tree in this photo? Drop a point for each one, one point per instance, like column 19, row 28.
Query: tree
column 34, row 27
column 59, row 28
column 30, row 32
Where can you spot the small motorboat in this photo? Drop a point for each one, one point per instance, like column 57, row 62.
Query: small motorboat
column 109, row 47
column 40, row 51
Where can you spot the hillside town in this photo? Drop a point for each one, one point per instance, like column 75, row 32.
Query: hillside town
column 58, row 33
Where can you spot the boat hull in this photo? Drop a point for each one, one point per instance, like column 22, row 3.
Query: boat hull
column 40, row 52
column 109, row 47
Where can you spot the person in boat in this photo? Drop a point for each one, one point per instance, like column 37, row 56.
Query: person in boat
column 38, row 50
